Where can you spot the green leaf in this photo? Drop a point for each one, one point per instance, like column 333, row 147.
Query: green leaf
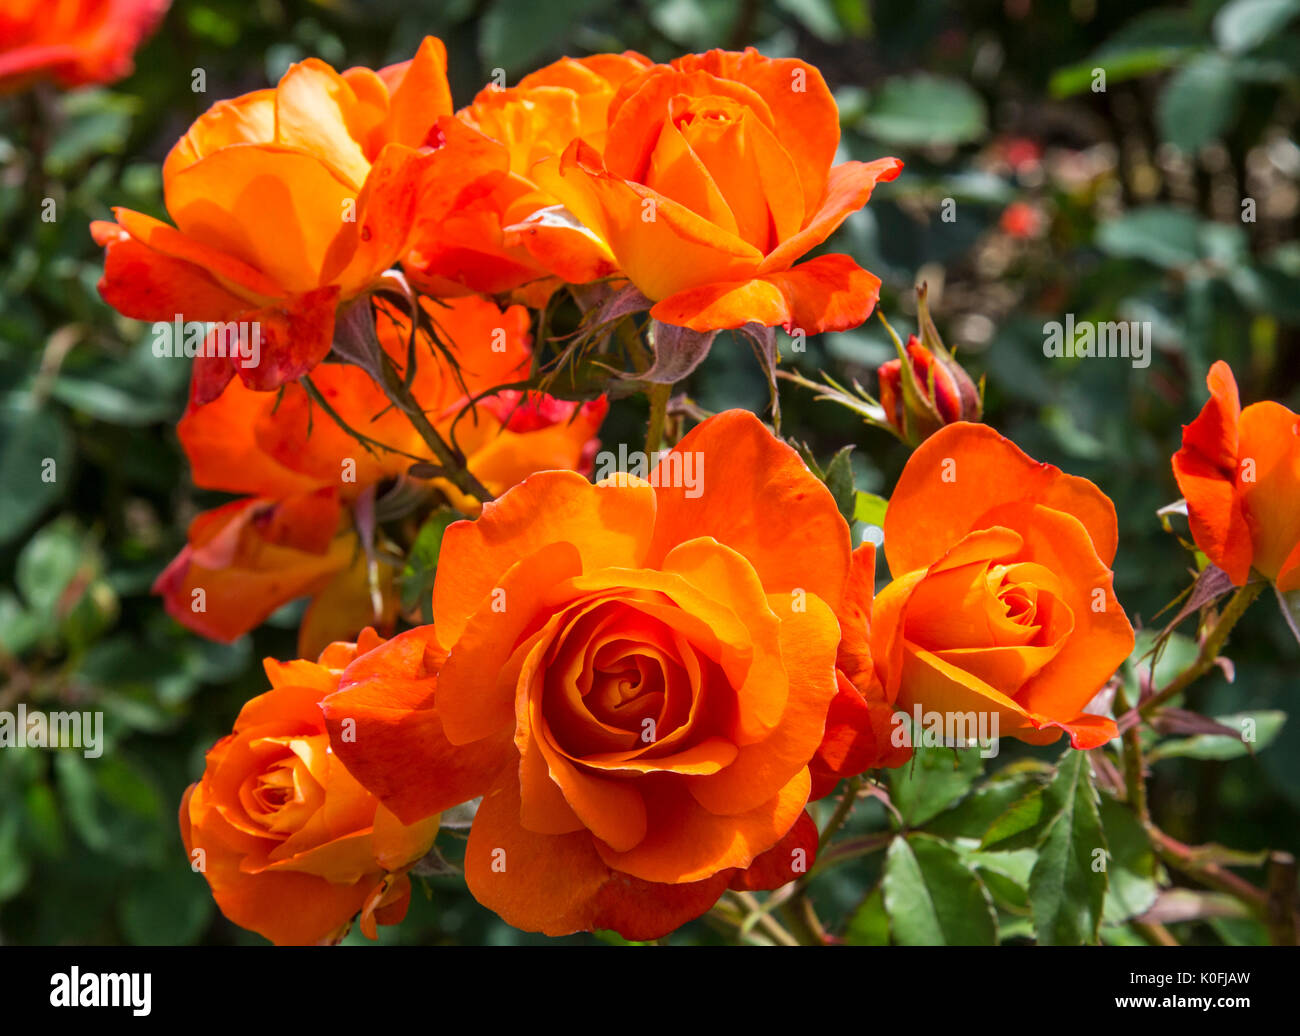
column 47, row 564
column 924, row 110
column 1119, row 66
column 839, row 480
column 869, row 924
column 515, row 34
column 1131, row 864
column 1025, row 814
column 1198, row 103
column 170, row 907
column 817, row 16
column 933, row 898
column 1289, row 603
column 13, row 867
column 1160, row 234
column 1258, row 731
column 19, row 627
column 932, row 781
column 1066, row 890
column 422, row 563
column 35, row 456
column 870, row 508
column 1243, row 25
column 77, row 790
column 972, row 817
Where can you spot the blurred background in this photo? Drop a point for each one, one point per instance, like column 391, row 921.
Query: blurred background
column 1171, row 196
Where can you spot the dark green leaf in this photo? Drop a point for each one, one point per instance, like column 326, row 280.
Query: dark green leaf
column 933, row 898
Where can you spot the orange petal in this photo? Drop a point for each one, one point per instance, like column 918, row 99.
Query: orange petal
column 609, row 526
column 663, row 246
column 229, row 199
column 316, row 111
column 1101, row 640
column 805, row 117
column 848, row 188
column 684, row 842
column 420, row 94
column 147, row 285
column 243, row 575
column 854, row 614
column 399, row 845
column 474, row 701
column 247, row 119
column 829, row 293
column 1270, row 441
column 1206, row 470
column 809, row 638
column 394, row 743
column 558, row 884
column 749, row 490
column 967, row 476
column 346, row 605
column 789, row 860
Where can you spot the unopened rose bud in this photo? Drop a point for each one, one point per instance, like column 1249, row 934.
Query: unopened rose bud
column 931, row 390
column 946, row 395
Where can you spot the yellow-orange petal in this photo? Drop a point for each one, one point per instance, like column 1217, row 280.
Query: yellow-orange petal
column 967, row 476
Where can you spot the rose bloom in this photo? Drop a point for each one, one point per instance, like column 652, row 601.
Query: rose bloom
column 72, row 42
column 1002, row 598
column 293, row 534
column 635, row 679
column 714, row 179
column 1240, row 472
column 292, row 846
column 477, row 246
column 288, row 202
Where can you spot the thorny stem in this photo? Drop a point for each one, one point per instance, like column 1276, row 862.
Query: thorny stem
column 798, row 911
column 366, row 441
column 1133, row 766
column 841, row 815
column 1276, row 906
column 1154, row 933
column 654, row 435
column 1209, row 652
column 751, row 907
column 455, row 470
column 800, row 916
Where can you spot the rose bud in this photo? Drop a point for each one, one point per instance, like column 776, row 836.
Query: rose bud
column 931, row 389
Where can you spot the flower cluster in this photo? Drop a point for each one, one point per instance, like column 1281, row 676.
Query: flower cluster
column 637, row 684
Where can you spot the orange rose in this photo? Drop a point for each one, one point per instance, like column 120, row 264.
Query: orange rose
column 635, row 677
column 1002, row 600
column 72, row 42
column 288, row 202
column 295, row 535
column 1240, row 472
column 474, row 247
column 292, row 846
column 715, row 177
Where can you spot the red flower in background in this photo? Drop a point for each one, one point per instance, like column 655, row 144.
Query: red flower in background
column 72, row 42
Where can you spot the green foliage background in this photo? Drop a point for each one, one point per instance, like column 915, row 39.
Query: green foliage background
column 1140, row 188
